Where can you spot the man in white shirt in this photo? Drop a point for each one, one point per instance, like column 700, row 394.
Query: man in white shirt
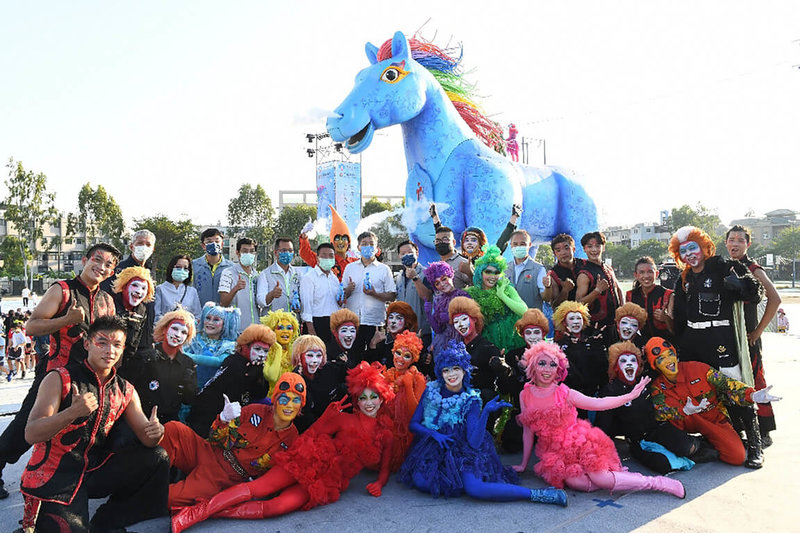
column 526, row 275
column 369, row 285
column 320, row 293
column 237, row 286
column 279, row 281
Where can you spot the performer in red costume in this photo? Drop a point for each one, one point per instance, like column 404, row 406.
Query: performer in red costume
column 242, row 443
column 321, row 462
column 340, row 237
column 408, row 384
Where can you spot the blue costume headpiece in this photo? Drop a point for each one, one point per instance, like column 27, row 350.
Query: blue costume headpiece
column 230, row 317
column 454, row 354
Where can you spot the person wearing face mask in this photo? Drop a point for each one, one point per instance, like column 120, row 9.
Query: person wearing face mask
column 240, row 378
column 133, row 290
column 237, row 287
column 528, row 277
column 369, row 284
column 339, row 239
column 178, row 289
column 325, row 379
column 209, row 267
column 399, row 318
column 320, row 464
column 320, row 293
column 167, row 376
column 240, row 445
column 571, row 451
column 659, row 446
column 412, row 287
column 585, row 350
column 279, row 282
column 445, row 244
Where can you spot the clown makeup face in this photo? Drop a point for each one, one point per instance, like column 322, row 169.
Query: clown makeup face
column 135, row 291
column 347, row 335
column 341, row 243
column 737, row 244
column 312, row 360
column 646, row 274
column 443, row 284
column 666, row 361
column 396, row 323
column 289, row 405
column 691, row 254
column 627, row 367
column 532, row 335
column 403, row 359
column 284, row 332
column 490, row 277
column 470, row 243
column 369, row 402
column 574, row 322
column 463, row 324
column 627, row 327
column 212, row 326
column 545, row 371
column 177, row 332
column 453, row 377
column 259, row 352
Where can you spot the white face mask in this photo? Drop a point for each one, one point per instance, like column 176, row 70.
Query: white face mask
column 628, row 326
column 532, row 335
column 461, row 324
column 347, row 336
column 137, row 291
column 177, row 332
column 574, row 323
column 258, row 352
column 628, row 366
column 142, row 253
column 395, row 323
column 313, row 360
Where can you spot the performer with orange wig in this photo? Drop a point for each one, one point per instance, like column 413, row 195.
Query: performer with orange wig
column 630, row 318
column 324, row 379
column 321, row 462
column 408, row 384
column 708, row 328
column 400, row 317
column 588, row 360
column 133, row 288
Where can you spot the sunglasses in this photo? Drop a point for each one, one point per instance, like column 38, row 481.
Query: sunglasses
column 284, row 386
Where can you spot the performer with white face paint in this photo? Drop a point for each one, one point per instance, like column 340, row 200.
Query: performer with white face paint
column 166, row 377
column 133, row 289
column 324, row 379
column 586, row 353
column 344, row 327
column 660, row 446
column 240, row 378
column 629, row 319
column 400, row 317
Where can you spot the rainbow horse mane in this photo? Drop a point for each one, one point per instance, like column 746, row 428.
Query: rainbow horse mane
column 445, row 67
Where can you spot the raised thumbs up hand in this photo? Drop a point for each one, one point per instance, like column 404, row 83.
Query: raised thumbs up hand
column 82, row 404
column 75, row 314
column 230, row 411
column 154, row 429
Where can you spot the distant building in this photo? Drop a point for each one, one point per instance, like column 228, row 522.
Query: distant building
column 766, row 229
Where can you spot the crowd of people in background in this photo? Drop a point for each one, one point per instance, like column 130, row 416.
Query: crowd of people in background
column 224, row 385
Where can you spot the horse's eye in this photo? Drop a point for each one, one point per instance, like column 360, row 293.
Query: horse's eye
column 393, row 74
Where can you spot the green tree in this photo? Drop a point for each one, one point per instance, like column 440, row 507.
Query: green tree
column 787, row 243
column 13, row 262
column 250, row 214
column 700, row 216
column 545, row 256
column 98, row 215
column 391, row 232
column 373, row 205
column 651, row 247
column 622, row 258
column 291, row 220
column 172, row 238
column 28, row 207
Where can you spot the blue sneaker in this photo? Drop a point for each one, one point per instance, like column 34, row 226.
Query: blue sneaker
column 549, row 495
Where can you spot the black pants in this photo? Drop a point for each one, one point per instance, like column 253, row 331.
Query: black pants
column 363, row 336
column 322, row 326
column 12, row 442
column 675, row 440
column 136, row 480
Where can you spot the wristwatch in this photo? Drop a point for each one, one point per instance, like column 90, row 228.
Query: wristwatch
column 415, row 278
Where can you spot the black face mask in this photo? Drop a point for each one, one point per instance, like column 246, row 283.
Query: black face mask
column 444, row 248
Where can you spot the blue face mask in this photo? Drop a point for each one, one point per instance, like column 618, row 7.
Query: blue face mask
column 367, row 252
column 285, row 257
column 409, row 260
column 213, row 248
column 180, row 274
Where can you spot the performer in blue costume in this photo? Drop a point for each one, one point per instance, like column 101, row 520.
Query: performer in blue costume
column 452, row 452
column 217, row 340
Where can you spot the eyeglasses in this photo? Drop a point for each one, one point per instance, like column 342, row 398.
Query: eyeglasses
column 284, row 386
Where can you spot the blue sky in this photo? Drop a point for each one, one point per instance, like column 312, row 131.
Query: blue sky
column 173, row 105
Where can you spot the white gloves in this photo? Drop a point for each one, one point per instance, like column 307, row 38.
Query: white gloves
column 763, row 396
column 230, row 411
column 308, row 227
column 690, row 408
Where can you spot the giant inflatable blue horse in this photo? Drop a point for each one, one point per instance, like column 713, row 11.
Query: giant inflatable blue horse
column 419, row 86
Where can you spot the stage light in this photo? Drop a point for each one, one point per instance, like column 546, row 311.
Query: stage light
column 310, row 137
column 310, row 152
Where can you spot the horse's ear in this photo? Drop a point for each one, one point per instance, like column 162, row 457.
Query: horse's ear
column 372, row 53
column 400, row 48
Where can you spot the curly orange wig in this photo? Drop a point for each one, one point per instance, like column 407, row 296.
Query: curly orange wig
column 340, row 317
column 631, row 309
column 567, row 307
column 462, row 305
column 619, row 348
column 690, row 233
column 126, row 275
column 366, row 376
column 532, row 317
column 304, row 343
column 160, row 329
column 409, row 341
column 293, row 383
column 405, row 310
column 255, row 333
